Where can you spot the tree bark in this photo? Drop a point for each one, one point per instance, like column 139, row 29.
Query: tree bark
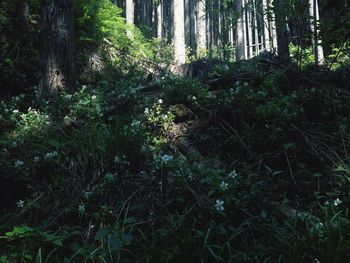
column 201, row 32
column 179, row 32
column 241, row 45
column 160, row 20
column 282, row 30
column 22, row 10
column 57, row 46
column 314, row 15
column 130, row 12
column 267, row 35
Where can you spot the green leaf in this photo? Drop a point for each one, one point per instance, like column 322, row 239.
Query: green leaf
column 101, row 233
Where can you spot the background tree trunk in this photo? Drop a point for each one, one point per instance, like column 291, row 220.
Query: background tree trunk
column 179, row 32
column 130, row 12
column 281, row 28
column 267, row 34
column 22, row 10
column 314, row 15
column 201, row 32
column 160, row 20
column 57, row 46
column 241, row 43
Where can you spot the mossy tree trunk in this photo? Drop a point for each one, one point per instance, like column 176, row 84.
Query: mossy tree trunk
column 57, row 46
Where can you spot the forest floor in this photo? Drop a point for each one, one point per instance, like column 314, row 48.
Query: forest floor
column 239, row 162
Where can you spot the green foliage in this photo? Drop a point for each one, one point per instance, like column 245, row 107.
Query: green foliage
column 107, row 173
column 101, row 26
column 301, row 56
column 340, row 57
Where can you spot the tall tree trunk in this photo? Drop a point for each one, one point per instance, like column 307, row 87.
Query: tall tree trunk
column 250, row 28
column 256, row 29
column 241, row 45
column 179, row 32
column 130, row 12
column 160, row 20
column 22, row 10
column 282, row 30
column 57, row 46
column 266, row 21
column 314, row 15
column 201, row 32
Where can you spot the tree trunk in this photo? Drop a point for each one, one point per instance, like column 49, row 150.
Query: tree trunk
column 250, row 28
column 314, row 15
column 57, row 46
column 282, row 30
column 241, row 49
column 130, row 12
column 179, row 32
column 22, row 10
column 160, row 20
column 201, row 32
column 267, row 35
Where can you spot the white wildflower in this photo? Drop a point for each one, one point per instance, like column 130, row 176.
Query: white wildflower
column 51, row 155
column 146, row 110
column 18, row 163
column 337, row 202
column 219, row 205
column 233, row 174
column 81, row 208
column 166, row 158
column 20, row 204
column 135, row 124
column 224, row 185
column 160, row 101
column 15, row 111
column 93, row 97
column 36, row 159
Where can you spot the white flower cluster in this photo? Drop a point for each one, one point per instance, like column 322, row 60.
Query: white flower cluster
column 18, row 164
column 135, row 127
column 211, row 95
column 233, row 174
column 51, row 155
column 158, row 116
column 224, row 186
column 337, row 202
column 69, row 119
column 81, row 208
column 166, row 158
column 219, row 205
column 20, row 204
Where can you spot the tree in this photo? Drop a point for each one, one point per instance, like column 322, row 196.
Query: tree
column 281, row 28
column 179, row 32
column 22, row 10
column 130, row 12
column 314, row 15
column 201, row 30
column 57, row 46
column 241, row 50
column 160, row 20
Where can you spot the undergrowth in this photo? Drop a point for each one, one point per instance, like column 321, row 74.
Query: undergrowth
column 97, row 176
column 136, row 166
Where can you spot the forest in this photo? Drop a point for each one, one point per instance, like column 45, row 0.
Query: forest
column 150, row 131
